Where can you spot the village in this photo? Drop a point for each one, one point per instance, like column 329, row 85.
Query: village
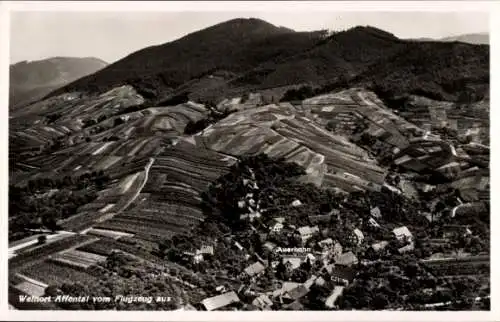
column 311, row 271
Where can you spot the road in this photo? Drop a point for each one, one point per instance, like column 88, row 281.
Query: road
column 132, row 199
column 136, row 194
column 31, row 242
column 454, row 210
column 31, row 280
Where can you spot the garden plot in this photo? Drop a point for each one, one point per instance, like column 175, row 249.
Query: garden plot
column 78, row 259
column 108, row 233
column 53, row 273
column 30, row 286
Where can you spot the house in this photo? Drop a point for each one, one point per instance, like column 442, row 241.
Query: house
column 220, row 301
column 375, row 212
column 373, row 223
column 251, row 202
column 320, row 281
column 307, row 232
column 269, row 245
column 279, row 219
column 328, row 268
column 402, row 234
column 292, row 263
column 296, row 203
column 337, row 249
column 205, row 249
column 342, row 275
column 263, row 302
column 238, row 245
column 198, row 258
column 278, row 227
column 255, row 269
column 241, row 204
column 407, row 248
column 310, row 257
column 326, row 243
column 221, row 289
column 380, row 245
column 358, row 236
column 330, row 300
column 346, row 259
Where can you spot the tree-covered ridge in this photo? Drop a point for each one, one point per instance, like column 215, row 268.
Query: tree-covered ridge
column 251, row 54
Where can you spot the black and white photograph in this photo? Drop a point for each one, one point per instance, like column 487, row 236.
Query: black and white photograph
column 248, row 160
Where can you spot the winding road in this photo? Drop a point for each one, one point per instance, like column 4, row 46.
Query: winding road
column 136, row 194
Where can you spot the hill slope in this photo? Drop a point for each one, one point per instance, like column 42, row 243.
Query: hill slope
column 246, row 54
column 30, row 81
column 482, row 38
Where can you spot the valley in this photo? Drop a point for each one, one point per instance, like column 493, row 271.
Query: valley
column 120, row 191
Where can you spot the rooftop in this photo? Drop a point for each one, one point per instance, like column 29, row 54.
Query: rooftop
column 219, row 301
column 255, row 269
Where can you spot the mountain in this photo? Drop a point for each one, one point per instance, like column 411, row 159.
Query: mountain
column 230, row 47
column 482, row 38
column 30, row 81
column 241, row 55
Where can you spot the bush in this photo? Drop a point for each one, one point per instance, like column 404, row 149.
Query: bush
column 42, row 239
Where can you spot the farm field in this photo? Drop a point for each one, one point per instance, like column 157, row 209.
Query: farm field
column 77, row 258
column 31, row 288
column 51, row 272
column 169, row 203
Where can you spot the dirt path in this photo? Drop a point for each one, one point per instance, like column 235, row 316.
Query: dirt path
column 131, row 200
column 136, row 194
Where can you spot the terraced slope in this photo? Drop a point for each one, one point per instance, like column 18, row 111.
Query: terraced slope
column 157, row 173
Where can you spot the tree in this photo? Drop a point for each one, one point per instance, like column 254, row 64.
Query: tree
column 118, row 121
column 379, row 302
column 42, row 239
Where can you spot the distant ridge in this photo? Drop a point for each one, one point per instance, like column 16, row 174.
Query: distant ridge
column 31, row 80
column 482, row 38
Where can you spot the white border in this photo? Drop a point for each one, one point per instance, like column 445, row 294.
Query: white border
column 277, row 6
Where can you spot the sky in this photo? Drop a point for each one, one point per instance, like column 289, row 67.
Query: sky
column 113, row 35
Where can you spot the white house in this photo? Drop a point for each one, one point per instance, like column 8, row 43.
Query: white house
column 326, row 243
column 373, row 223
column 375, row 212
column 305, row 232
column 380, row 245
column 198, row 258
column 206, row 249
column 358, row 236
column 277, row 227
column 402, row 233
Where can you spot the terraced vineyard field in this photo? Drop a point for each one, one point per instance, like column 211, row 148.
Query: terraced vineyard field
column 172, row 192
column 52, row 273
column 77, row 258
